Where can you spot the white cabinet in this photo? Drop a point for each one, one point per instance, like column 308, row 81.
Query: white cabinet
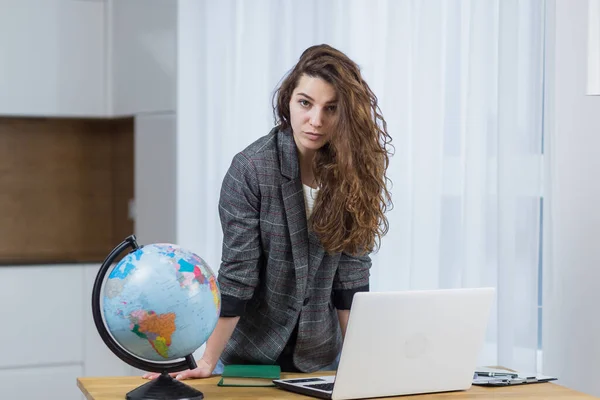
column 143, row 55
column 48, row 332
column 77, row 58
column 43, row 308
column 48, row 382
column 52, row 58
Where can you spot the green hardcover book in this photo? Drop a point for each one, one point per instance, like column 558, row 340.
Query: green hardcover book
column 249, row 375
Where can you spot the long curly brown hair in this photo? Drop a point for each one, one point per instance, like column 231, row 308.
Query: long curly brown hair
column 350, row 170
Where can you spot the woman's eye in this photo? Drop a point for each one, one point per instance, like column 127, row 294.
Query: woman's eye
column 331, row 109
column 304, row 103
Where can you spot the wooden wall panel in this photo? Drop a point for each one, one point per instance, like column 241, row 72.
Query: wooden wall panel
column 64, row 188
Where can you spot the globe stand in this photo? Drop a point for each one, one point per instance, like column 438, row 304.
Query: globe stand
column 165, row 388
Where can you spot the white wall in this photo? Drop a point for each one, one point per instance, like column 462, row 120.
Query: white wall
column 155, row 178
column 142, row 55
column 571, row 326
column 52, row 58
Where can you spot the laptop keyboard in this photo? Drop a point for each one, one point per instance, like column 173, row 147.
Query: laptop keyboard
column 322, row 386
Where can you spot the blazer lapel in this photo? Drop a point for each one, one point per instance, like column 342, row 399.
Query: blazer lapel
column 293, row 201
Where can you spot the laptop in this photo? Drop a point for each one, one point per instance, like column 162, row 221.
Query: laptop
column 401, row 343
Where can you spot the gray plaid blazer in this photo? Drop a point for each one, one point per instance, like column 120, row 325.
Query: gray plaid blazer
column 274, row 272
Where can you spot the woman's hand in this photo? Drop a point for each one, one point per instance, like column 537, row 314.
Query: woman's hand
column 204, row 370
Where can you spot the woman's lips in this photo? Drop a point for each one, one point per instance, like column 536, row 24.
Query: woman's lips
column 313, row 136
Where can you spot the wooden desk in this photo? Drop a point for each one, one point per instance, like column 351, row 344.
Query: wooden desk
column 115, row 388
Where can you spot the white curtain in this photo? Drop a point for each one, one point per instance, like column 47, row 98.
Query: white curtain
column 460, row 83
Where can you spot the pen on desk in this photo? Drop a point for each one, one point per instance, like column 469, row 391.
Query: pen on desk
column 498, row 374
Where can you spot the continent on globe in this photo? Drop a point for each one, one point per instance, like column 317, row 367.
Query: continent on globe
column 156, row 328
column 215, row 291
column 190, row 273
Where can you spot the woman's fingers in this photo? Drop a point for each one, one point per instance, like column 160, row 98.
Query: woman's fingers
column 204, row 370
column 154, row 375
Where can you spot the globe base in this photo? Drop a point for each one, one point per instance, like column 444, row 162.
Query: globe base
column 165, row 388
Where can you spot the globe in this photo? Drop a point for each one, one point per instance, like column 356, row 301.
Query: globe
column 157, row 305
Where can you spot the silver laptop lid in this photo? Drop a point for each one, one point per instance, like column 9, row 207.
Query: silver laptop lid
column 412, row 342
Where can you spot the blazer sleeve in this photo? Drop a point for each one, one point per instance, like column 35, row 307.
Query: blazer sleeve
column 239, row 211
column 352, row 276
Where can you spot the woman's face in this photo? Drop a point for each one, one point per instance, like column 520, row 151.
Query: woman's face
column 313, row 110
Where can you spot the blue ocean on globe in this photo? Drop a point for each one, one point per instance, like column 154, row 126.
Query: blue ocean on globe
column 161, row 302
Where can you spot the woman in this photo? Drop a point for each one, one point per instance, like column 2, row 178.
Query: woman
column 301, row 209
